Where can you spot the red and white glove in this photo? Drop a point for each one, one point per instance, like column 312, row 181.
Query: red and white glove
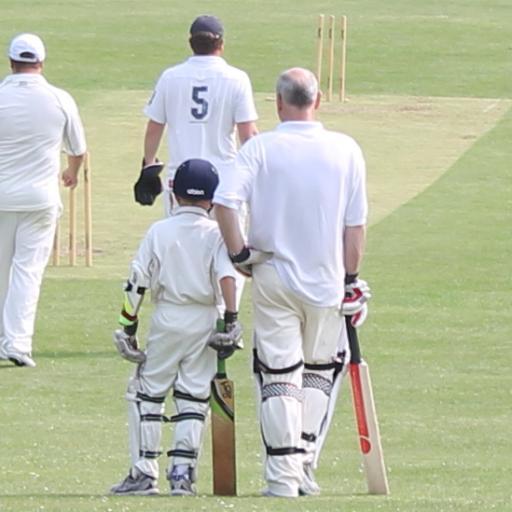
column 357, row 295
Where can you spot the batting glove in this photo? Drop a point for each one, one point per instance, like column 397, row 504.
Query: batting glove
column 229, row 339
column 128, row 347
column 148, row 186
column 357, row 295
column 246, row 258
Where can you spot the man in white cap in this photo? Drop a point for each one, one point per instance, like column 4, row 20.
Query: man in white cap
column 36, row 120
column 203, row 101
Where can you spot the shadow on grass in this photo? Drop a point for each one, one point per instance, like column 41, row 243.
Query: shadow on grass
column 7, row 365
column 101, row 354
column 166, row 496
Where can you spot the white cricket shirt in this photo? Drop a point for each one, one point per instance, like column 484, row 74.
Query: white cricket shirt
column 184, row 257
column 201, row 100
column 36, row 120
column 303, row 184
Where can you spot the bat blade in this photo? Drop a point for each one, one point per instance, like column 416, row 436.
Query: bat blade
column 223, row 434
column 366, row 419
column 368, row 428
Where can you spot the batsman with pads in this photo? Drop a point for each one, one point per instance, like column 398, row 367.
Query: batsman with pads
column 296, row 294
column 183, row 262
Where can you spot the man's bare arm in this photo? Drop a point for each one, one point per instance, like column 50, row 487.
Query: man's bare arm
column 70, row 174
column 154, row 132
column 246, row 131
column 354, row 241
column 228, row 288
column 230, row 228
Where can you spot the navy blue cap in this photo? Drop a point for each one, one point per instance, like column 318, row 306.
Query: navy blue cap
column 195, row 179
column 207, row 23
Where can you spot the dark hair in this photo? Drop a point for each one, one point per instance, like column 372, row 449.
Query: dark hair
column 205, row 43
column 18, row 65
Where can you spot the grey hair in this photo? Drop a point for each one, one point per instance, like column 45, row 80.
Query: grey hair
column 297, row 87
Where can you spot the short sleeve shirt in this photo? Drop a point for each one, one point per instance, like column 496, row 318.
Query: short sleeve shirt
column 37, row 120
column 201, row 101
column 183, row 257
column 304, row 185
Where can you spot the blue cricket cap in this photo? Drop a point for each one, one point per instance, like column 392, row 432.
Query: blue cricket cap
column 207, row 23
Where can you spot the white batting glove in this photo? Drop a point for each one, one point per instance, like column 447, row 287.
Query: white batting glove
column 229, row 339
column 128, row 347
column 354, row 305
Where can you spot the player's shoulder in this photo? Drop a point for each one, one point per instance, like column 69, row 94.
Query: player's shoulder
column 342, row 139
column 211, row 230
column 235, row 72
column 174, row 70
column 158, row 226
column 61, row 95
column 210, row 226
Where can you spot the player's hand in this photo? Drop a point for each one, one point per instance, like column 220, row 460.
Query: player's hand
column 69, row 178
column 230, row 339
column 128, row 347
column 149, row 185
column 247, row 257
column 355, row 303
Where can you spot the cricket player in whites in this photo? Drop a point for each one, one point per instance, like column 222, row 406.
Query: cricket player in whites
column 201, row 101
column 184, row 263
column 36, row 121
column 306, row 191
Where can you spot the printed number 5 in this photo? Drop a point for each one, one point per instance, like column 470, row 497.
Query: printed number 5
column 201, row 111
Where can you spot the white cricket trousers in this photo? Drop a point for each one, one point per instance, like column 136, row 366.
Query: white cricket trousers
column 177, row 357
column 26, row 240
column 286, row 332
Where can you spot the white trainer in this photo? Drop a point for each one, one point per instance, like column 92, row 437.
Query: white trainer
column 181, row 481
column 20, row 359
column 139, row 485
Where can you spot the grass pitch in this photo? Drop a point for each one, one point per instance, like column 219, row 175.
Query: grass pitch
column 430, row 104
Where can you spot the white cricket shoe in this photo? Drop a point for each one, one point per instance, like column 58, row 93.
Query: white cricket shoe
column 139, row 485
column 180, row 481
column 20, row 359
column 267, row 493
column 309, row 487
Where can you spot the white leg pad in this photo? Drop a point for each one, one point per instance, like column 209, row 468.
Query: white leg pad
column 281, row 423
column 331, row 405
column 145, row 416
column 133, row 420
column 190, row 419
column 317, row 387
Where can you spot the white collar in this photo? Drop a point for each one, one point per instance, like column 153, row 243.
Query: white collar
column 195, row 210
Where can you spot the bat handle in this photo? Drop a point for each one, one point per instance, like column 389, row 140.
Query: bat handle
column 353, row 341
column 221, row 368
column 221, row 363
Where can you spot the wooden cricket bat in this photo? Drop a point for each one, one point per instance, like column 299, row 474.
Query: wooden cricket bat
column 366, row 417
column 222, row 404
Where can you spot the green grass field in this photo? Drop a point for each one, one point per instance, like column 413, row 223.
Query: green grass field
column 430, row 102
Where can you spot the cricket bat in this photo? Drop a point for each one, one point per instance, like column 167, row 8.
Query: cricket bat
column 222, row 404
column 366, row 417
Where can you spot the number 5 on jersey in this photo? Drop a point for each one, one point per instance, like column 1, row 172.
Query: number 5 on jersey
column 199, row 109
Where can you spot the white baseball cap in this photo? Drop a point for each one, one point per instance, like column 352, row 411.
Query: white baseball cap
column 27, row 48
